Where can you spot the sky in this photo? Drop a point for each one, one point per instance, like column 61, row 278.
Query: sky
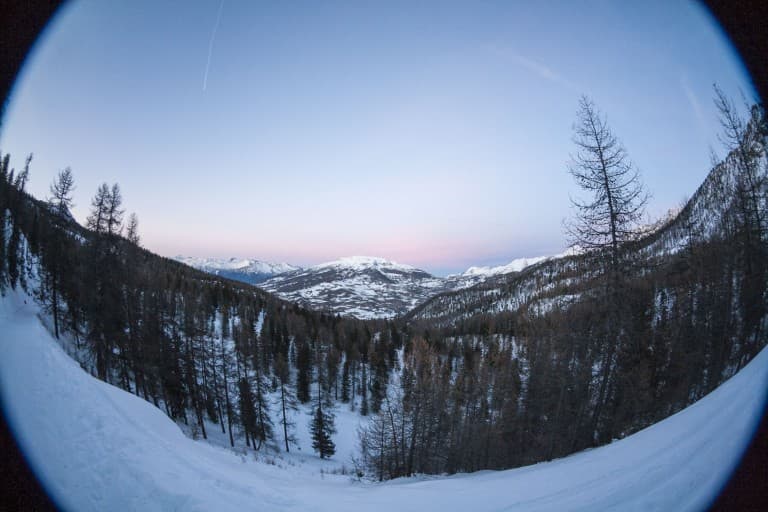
column 435, row 134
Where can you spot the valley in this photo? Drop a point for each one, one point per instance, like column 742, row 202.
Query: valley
column 359, row 286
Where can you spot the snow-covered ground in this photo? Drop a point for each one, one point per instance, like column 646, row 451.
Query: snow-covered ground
column 96, row 447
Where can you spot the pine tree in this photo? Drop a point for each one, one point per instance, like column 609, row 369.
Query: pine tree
column 106, row 213
column 247, row 410
column 332, row 359
column 287, row 400
column 15, row 248
column 61, row 190
column 364, row 392
column 95, row 220
column 304, row 367
column 4, row 200
column 58, row 243
column 603, row 223
column 132, row 231
column 105, row 300
column 263, row 430
column 322, row 428
column 345, row 380
column 608, row 217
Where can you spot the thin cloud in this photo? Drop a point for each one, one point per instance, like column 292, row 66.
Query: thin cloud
column 210, row 45
column 537, row 68
column 693, row 101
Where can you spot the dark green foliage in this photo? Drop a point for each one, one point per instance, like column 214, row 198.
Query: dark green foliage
column 15, row 251
column 5, row 192
column 304, row 367
column 364, row 391
column 247, row 409
column 345, row 381
column 322, row 428
column 287, row 400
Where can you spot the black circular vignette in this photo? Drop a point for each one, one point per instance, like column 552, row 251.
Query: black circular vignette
column 745, row 22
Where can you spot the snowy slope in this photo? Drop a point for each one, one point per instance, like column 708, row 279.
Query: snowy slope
column 248, row 270
column 99, row 448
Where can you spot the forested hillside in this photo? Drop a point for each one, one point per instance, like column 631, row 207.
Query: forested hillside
column 195, row 345
column 577, row 351
column 570, row 353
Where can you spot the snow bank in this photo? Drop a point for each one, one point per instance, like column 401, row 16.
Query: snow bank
column 96, row 447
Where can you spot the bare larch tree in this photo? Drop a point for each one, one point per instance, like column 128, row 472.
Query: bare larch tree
column 604, row 221
column 609, row 216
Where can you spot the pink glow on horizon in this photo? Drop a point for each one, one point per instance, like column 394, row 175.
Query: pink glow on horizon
column 425, row 251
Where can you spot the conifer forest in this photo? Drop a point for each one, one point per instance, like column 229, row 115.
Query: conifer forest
column 569, row 353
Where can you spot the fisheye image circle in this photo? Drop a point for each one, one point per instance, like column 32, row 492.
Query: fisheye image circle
column 383, row 255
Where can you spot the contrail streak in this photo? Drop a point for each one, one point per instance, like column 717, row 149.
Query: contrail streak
column 210, row 45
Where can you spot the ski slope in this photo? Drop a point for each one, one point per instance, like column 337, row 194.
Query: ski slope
column 96, row 447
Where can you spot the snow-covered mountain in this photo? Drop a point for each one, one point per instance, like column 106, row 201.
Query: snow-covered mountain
column 370, row 287
column 248, row 270
column 474, row 275
column 360, row 286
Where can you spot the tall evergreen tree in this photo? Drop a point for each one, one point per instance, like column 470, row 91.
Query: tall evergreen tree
column 132, row 231
column 304, row 367
column 61, row 190
column 287, row 400
column 105, row 301
column 322, row 428
column 58, row 244
column 5, row 193
column 15, row 250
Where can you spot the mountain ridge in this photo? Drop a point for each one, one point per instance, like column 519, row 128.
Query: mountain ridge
column 365, row 287
column 247, row 270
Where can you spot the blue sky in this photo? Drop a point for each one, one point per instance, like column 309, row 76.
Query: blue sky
column 432, row 133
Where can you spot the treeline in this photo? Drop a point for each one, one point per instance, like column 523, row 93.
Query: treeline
column 198, row 346
column 577, row 352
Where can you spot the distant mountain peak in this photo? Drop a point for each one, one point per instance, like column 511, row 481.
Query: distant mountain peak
column 249, row 270
column 515, row 265
column 366, row 262
column 360, row 286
